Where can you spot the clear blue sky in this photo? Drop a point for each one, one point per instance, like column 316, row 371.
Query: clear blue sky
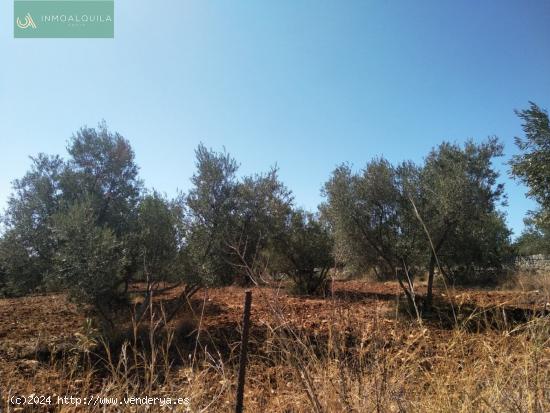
column 304, row 84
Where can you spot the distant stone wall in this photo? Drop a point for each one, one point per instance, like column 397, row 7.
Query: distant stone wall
column 537, row 262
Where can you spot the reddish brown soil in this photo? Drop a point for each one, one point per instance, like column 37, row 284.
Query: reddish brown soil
column 33, row 329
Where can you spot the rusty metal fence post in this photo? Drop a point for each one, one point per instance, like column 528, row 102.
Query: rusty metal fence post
column 244, row 350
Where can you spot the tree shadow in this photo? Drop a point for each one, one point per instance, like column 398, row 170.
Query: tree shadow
column 358, row 296
column 475, row 318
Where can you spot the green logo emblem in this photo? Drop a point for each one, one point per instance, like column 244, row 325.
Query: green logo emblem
column 63, row 18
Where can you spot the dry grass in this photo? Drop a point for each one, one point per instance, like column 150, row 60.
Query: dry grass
column 317, row 355
column 531, row 281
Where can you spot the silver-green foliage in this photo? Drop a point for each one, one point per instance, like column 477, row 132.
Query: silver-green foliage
column 532, row 167
column 398, row 219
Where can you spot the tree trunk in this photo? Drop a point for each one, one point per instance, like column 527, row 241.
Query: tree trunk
column 429, row 295
column 183, row 299
column 408, row 293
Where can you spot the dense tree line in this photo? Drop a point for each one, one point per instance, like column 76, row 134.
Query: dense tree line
column 88, row 226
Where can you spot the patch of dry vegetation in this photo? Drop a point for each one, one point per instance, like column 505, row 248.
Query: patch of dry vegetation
column 531, row 281
column 351, row 353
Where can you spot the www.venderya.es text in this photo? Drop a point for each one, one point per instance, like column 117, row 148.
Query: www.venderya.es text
column 97, row 400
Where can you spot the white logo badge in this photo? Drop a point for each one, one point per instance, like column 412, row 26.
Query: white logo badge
column 27, row 22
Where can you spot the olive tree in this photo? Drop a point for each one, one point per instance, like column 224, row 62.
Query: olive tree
column 88, row 261
column 370, row 215
column 303, row 252
column 159, row 242
column 441, row 214
column 263, row 206
column 158, row 238
column 532, row 167
column 230, row 220
column 211, row 205
column 69, row 223
column 363, row 212
column 535, row 238
column 458, row 209
column 102, row 168
column 27, row 246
